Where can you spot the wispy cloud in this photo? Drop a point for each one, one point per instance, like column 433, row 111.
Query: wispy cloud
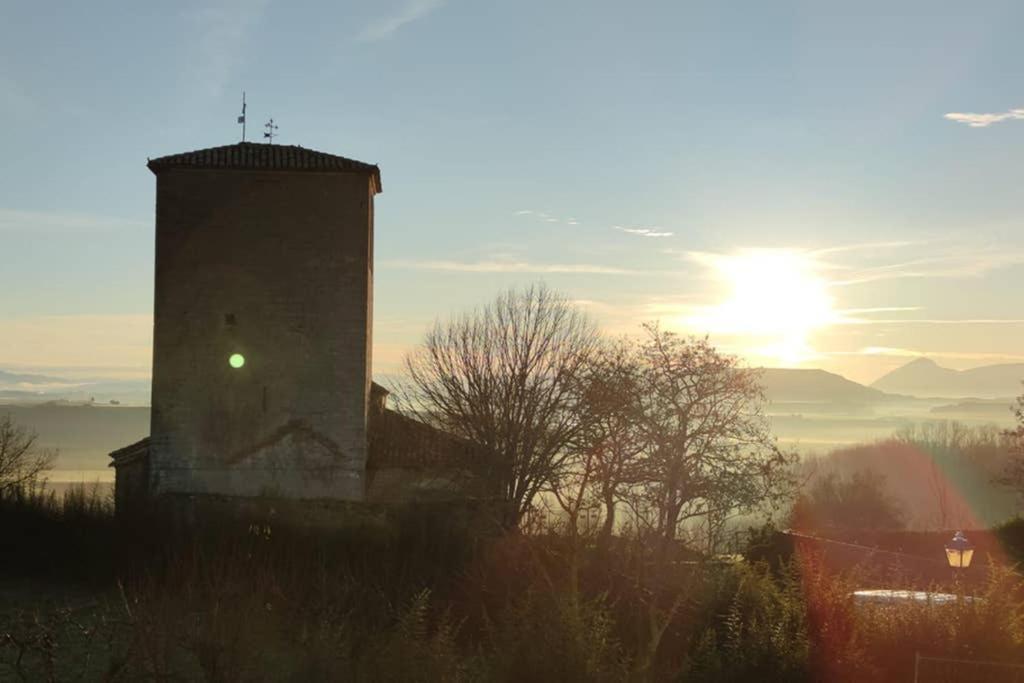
column 644, row 232
column 879, row 309
column 49, row 222
column 932, row 321
column 951, row 260
column 511, row 267
column 408, row 12
column 545, row 217
column 864, row 246
column 957, row 261
column 76, row 340
column 220, row 31
column 984, row 120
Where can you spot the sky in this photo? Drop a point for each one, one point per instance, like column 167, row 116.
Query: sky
column 812, row 184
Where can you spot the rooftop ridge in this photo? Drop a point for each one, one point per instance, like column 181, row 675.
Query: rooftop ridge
column 257, row 156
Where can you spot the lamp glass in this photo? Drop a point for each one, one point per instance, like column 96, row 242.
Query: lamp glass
column 959, row 559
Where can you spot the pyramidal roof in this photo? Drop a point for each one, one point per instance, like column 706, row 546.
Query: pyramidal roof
column 252, row 156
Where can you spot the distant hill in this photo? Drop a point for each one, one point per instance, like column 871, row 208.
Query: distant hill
column 13, row 378
column 925, row 378
column 797, row 385
column 83, row 434
column 997, row 410
column 23, row 388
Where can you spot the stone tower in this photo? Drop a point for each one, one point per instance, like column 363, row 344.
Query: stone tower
column 262, row 323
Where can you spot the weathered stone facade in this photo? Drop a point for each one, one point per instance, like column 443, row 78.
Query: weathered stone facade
column 265, row 254
column 263, row 313
column 132, row 463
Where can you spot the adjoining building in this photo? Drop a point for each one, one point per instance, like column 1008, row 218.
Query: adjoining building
column 262, row 338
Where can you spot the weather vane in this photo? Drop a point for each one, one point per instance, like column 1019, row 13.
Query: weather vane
column 269, row 125
column 241, row 119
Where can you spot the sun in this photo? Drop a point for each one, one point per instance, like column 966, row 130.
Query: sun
column 776, row 299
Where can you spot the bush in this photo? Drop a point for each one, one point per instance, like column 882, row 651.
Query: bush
column 756, row 630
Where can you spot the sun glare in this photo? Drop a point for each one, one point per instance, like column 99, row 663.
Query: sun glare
column 776, row 300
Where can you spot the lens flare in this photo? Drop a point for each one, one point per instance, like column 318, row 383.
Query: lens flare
column 236, row 360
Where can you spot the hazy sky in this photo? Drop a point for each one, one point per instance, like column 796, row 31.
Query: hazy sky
column 831, row 184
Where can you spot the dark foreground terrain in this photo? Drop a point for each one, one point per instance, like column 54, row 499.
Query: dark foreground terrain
column 412, row 595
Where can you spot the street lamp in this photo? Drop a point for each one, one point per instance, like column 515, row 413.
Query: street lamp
column 959, row 551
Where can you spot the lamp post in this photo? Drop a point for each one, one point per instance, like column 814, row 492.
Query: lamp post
column 959, row 553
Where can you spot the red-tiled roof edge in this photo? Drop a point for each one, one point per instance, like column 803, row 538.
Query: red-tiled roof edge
column 129, row 453
column 256, row 156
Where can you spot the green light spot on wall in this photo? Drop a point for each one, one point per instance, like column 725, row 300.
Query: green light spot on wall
column 237, row 360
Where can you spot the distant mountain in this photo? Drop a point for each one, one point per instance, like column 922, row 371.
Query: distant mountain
column 84, row 435
column 926, row 378
column 24, row 388
column 12, row 378
column 797, row 385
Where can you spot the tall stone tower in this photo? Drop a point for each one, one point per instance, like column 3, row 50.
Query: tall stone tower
column 262, row 322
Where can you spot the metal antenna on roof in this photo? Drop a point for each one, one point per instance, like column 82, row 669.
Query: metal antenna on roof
column 269, row 125
column 241, row 119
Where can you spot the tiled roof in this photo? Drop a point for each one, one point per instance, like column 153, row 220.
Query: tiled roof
column 130, row 453
column 255, row 156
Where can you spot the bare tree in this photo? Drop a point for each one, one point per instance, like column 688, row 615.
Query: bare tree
column 1013, row 472
column 710, row 449
column 612, row 443
column 1018, row 434
column 22, row 461
column 506, row 378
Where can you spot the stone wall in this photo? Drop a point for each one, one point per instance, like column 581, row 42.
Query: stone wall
column 131, row 483
column 277, row 267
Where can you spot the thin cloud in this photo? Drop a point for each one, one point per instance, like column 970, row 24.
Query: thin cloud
column 863, row 246
column 984, row 120
column 881, row 309
column 963, row 262
column 77, row 340
column 50, row 222
column 408, row 12
column 954, row 261
column 932, row 321
column 511, row 267
column 545, row 217
column 644, row 232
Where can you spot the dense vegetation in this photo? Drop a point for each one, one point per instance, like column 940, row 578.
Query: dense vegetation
column 413, row 596
column 942, row 475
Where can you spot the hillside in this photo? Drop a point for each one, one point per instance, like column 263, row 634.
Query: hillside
column 792, row 385
column 926, row 378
